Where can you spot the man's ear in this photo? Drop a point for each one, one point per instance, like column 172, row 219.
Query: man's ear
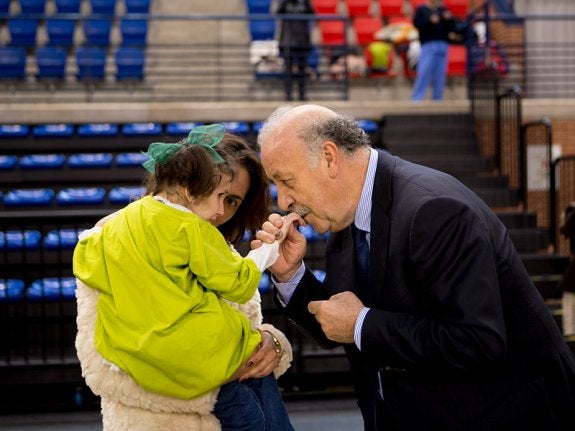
column 330, row 155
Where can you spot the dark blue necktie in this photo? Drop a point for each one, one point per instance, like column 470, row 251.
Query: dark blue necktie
column 361, row 250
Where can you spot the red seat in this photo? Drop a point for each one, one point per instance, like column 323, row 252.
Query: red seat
column 364, row 28
column 457, row 7
column 416, row 3
column 390, row 8
column 325, row 6
column 357, row 7
column 332, row 32
column 456, row 60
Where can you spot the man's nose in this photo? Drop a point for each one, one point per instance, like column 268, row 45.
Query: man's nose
column 285, row 200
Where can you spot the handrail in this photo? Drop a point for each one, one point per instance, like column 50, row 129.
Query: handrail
column 544, row 123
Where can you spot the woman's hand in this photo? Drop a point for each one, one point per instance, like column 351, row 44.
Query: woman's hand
column 263, row 360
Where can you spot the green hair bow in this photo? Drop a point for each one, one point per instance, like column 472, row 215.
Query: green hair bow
column 160, row 153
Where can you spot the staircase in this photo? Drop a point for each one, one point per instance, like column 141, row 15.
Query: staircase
column 445, row 142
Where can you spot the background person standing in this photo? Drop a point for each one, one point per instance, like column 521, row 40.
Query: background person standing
column 434, row 22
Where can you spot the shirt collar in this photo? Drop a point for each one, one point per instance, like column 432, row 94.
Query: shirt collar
column 363, row 212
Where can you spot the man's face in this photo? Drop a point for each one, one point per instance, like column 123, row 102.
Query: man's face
column 300, row 188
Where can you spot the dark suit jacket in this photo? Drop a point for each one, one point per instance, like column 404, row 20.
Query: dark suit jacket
column 457, row 331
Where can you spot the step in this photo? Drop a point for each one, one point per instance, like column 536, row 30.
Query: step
column 456, row 165
column 432, row 120
column 413, row 132
column 497, row 198
column 518, row 219
column 405, row 148
column 529, row 240
column 545, row 263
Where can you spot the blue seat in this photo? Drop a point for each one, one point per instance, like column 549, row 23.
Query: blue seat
column 81, row 196
column 13, row 63
column 98, row 129
column 28, row 197
column 67, row 6
column 90, row 160
column 91, row 63
column 125, row 195
column 180, row 128
column 130, row 63
column 103, row 7
column 265, row 284
column 11, row 289
column 237, row 127
column 134, row 32
column 32, row 6
column 319, row 274
column 61, row 239
column 4, row 6
column 52, row 289
column 22, row 31
column 12, row 130
column 8, row 163
column 273, row 191
column 137, row 6
column 28, row 239
column 258, row 6
column 42, row 161
column 309, row 232
column 142, row 129
column 60, row 32
column 51, row 63
column 368, row 126
column 125, row 160
column 262, row 29
column 53, row 130
column 257, row 126
column 97, row 32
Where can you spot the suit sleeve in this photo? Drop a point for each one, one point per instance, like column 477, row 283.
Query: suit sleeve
column 459, row 322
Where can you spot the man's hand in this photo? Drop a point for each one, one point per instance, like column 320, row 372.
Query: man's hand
column 292, row 243
column 337, row 315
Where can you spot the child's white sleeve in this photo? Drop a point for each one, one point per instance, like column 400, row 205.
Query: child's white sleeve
column 86, row 233
column 265, row 256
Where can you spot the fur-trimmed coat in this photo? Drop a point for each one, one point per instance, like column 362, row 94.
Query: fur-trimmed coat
column 125, row 404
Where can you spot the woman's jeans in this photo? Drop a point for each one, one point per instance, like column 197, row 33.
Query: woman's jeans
column 252, row 405
column 431, row 69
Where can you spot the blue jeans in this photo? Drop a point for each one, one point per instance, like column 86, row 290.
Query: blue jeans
column 431, row 69
column 253, row 405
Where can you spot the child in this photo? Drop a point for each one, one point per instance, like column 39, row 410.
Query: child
column 163, row 270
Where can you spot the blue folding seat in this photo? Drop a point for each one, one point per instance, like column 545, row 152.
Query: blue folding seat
column 265, row 283
column 28, row 239
column 258, row 6
column 262, row 29
column 180, row 128
column 61, row 239
column 4, row 6
column 90, row 160
column 32, row 6
column 81, row 196
column 273, row 191
column 67, row 6
column 142, row 129
column 60, row 32
column 257, row 126
column 137, row 6
column 130, row 63
column 91, row 63
column 51, row 63
column 52, row 289
column 42, row 161
column 97, row 129
column 125, row 195
column 28, row 197
column 97, row 32
column 309, row 233
column 134, row 32
column 11, row 289
column 129, row 160
column 319, row 274
column 368, row 126
column 53, row 130
column 103, row 7
column 22, row 31
column 12, row 130
column 7, row 163
column 237, row 127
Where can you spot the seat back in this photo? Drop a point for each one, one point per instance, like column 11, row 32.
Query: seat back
column 332, row 32
column 67, row 6
column 60, row 32
column 130, row 63
column 389, row 8
column 103, row 7
column 137, row 6
column 32, row 6
column 258, row 6
column 325, row 6
column 22, row 31
column 357, row 7
column 364, row 28
column 134, row 32
column 91, row 63
column 12, row 62
column 97, row 32
column 262, row 29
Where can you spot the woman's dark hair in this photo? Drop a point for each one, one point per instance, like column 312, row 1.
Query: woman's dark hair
column 191, row 167
column 254, row 209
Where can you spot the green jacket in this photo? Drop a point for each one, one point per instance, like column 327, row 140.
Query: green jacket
column 163, row 274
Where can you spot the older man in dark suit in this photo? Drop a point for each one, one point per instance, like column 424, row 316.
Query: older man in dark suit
column 444, row 329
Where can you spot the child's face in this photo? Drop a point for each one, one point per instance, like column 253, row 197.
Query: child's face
column 212, row 206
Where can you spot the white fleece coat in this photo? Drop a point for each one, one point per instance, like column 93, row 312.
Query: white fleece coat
column 126, row 405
